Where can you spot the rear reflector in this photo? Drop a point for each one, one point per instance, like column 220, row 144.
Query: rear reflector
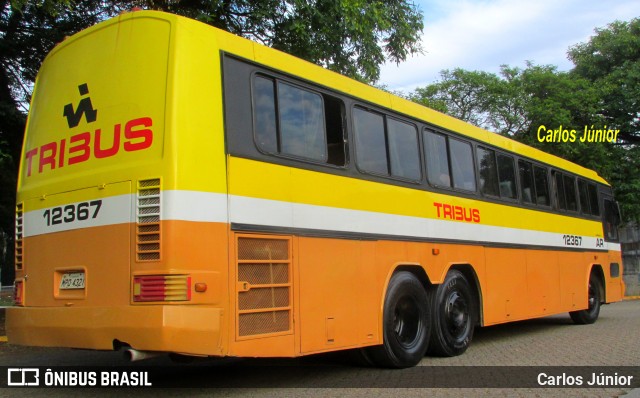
column 161, row 288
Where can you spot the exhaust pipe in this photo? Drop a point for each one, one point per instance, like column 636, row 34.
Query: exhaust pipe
column 135, row 355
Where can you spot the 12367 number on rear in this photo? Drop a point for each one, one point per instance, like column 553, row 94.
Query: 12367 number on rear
column 71, row 213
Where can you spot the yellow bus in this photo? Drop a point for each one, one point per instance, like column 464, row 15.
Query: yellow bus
column 183, row 190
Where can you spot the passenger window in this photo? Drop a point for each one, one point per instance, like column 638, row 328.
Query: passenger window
column 583, row 194
column 404, row 150
column 560, row 197
column 371, row 151
column 265, row 114
column 507, row 177
column 526, row 182
column 437, row 159
column 593, row 199
column 570, row 192
column 488, row 172
column 295, row 121
column 301, row 123
column 542, row 186
column 386, row 146
column 464, row 176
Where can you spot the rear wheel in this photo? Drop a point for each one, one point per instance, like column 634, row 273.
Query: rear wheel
column 590, row 315
column 453, row 310
column 406, row 324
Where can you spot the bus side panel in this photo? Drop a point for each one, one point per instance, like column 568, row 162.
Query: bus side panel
column 543, row 282
column 340, row 289
column 505, row 298
column 574, row 280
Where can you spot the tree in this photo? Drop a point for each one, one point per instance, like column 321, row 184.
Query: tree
column 351, row 37
column 611, row 61
column 466, row 95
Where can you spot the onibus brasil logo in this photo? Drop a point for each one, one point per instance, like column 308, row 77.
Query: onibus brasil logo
column 32, row 377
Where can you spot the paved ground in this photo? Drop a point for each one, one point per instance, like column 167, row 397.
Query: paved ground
column 611, row 344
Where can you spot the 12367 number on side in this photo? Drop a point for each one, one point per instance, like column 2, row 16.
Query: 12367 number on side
column 572, row 240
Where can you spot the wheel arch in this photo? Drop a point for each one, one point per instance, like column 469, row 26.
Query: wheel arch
column 596, row 269
column 414, row 268
column 472, row 277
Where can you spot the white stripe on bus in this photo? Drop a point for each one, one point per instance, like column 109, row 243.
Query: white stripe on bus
column 217, row 207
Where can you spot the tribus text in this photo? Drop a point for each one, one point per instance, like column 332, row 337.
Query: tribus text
column 80, row 147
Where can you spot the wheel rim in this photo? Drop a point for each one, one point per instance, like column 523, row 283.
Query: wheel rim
column 406, row 322
column 456, row 313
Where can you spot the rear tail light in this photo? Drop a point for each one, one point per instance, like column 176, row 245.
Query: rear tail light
column 18, row 292
column 161, row 288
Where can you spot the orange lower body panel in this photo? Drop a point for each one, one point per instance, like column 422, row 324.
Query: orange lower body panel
column 172, row 328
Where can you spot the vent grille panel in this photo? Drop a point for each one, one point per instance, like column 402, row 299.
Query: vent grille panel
column 263, row 322
column 272, row 297
column 148, row 208
column 264, row 286
column 262, row 249
column 263, row 273
column 19, row 233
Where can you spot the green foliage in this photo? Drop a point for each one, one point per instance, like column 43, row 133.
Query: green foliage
column 465, row 95
column 611, row 61
column 351, row 37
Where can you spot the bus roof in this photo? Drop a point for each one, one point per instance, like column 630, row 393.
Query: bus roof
column 289, row 64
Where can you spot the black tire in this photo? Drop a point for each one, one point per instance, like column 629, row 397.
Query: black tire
column 406, row 324
column 590, row 315
column 454, row 316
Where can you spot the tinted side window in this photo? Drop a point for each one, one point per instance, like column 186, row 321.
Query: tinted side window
column 593, row 199
column 386, row 146
column 560, row 198
column 488, row 172
column 507, row 177
column 583, row 195
column 570, row 192
column 437, row 159
column 526, row 182
column 542, row 186
column 403, row 149
column 264, row 99
column 301, row 123
column 464, row 176
column 371, row 151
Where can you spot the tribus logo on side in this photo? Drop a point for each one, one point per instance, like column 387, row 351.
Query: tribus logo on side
column 81, row 147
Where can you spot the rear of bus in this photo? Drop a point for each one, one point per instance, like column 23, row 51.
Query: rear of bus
column 121, row 221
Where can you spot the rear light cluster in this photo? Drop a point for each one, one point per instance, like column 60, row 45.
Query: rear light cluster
column 161, row 288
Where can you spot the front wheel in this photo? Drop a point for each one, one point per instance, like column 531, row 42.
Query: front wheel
column 453, row 308
column 590, row 315
column 406, row 324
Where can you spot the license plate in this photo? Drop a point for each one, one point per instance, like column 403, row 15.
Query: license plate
column 72, row 280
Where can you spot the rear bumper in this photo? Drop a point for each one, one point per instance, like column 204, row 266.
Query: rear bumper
column 173, row 328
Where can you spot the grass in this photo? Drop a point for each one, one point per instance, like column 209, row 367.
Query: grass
column 6, row 298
